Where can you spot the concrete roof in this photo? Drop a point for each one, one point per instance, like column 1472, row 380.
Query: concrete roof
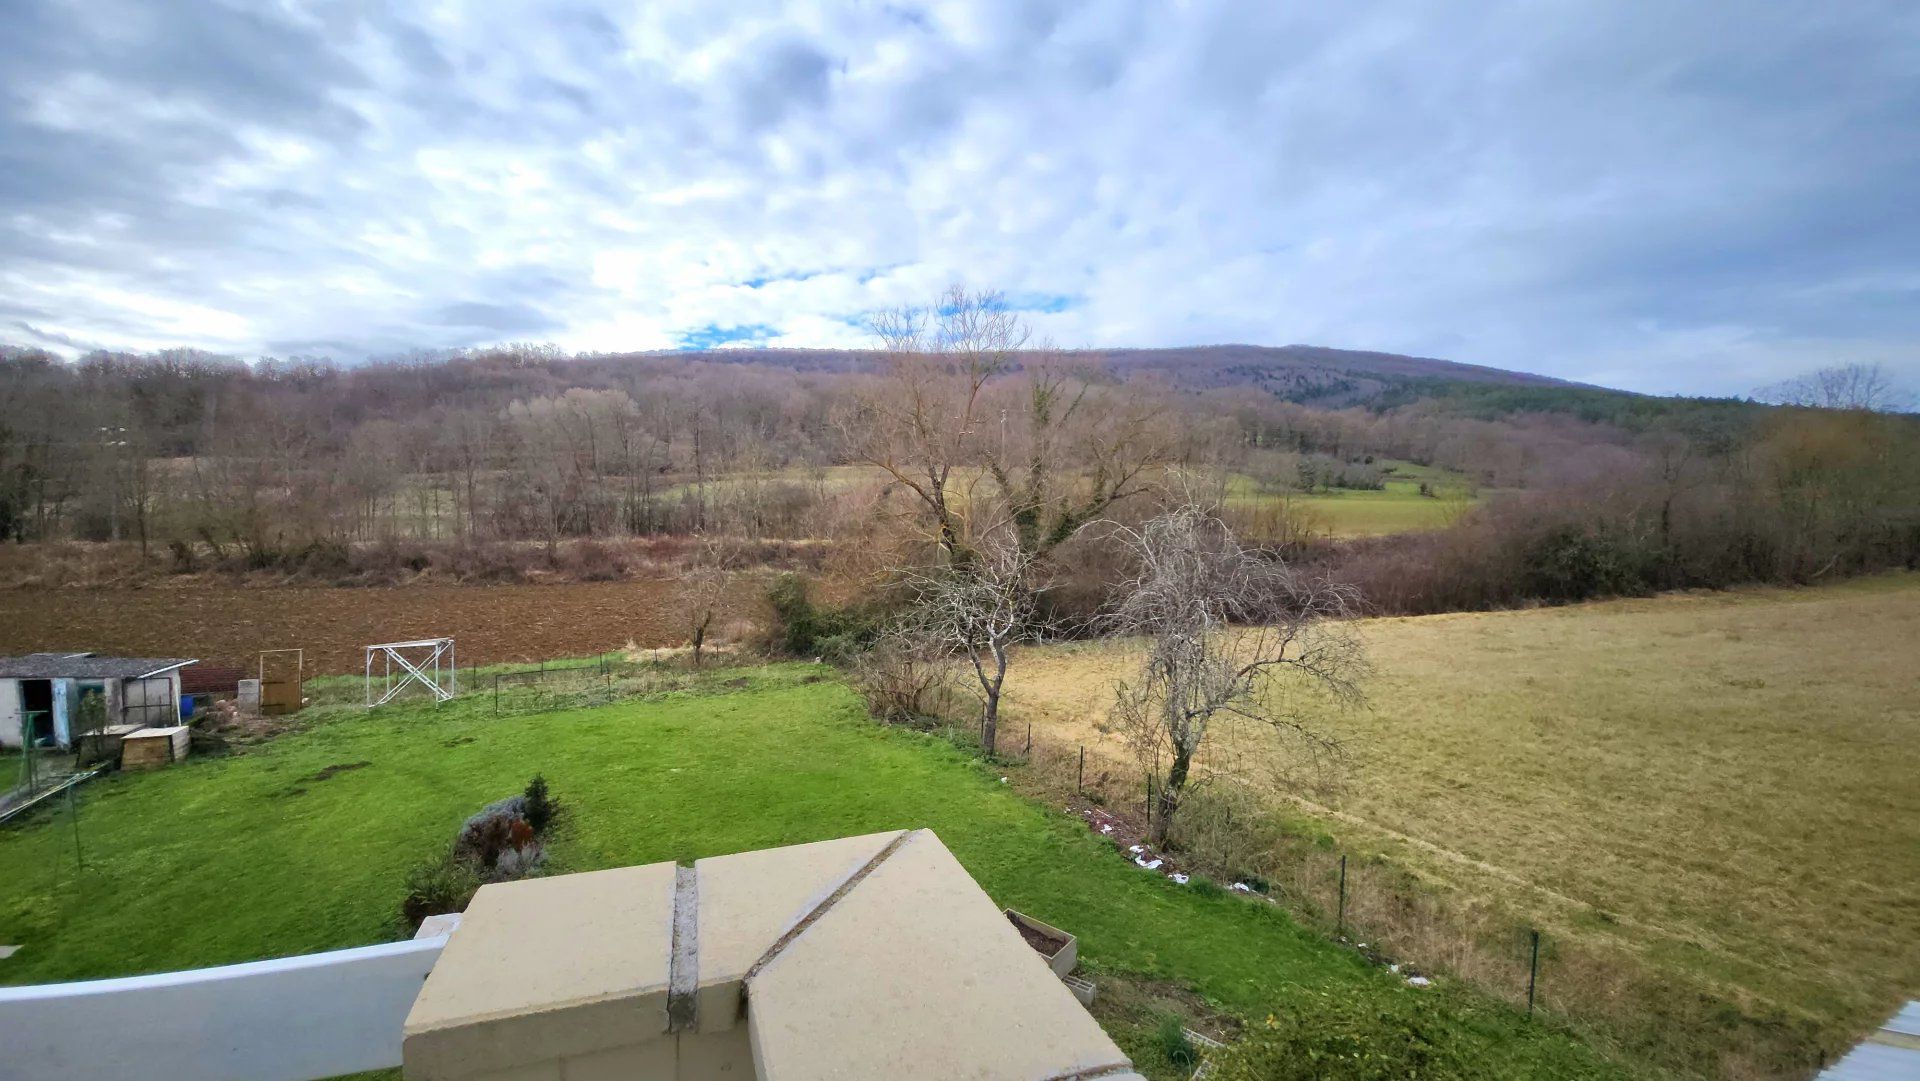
column 86, row 666
column 573, row 964
column 916, row 969
column 750, row 899
column 861, row 958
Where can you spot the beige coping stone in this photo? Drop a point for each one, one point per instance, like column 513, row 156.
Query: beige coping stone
column 445, row 923
column 546, row 968
column 915, row 973
column 749, row 899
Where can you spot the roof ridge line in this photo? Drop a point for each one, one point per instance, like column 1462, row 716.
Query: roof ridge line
column 813, row 915
column 683, row 961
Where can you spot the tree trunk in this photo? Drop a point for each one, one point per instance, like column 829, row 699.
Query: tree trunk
column 1169, row 801
column 990, row 701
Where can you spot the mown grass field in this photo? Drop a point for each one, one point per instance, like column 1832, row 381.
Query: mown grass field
column 258, row 854
column 1726, row 784
column 1397, row 508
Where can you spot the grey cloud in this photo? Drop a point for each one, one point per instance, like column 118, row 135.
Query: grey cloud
column 504, row 318
column 775, row 78
column 1658, row 195
column 239, row 61
column 327, row 347
column 33, row 335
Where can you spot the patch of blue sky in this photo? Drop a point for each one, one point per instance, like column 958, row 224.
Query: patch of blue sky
column 794, row 276
column 1042, row 302
column 714, row 336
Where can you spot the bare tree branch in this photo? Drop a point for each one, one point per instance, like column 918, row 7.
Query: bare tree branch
column 977, row 615
column 1226, row 629
column 986, row 432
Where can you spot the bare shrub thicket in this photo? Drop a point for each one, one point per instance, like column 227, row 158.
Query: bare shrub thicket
column 1804, row 496
column 906, row 681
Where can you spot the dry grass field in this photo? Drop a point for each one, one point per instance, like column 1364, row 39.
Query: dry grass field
column 1724, row 786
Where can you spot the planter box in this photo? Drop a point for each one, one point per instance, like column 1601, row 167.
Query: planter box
column 1061, row 950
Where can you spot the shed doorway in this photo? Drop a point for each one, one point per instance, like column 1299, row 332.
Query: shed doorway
column 36, row 710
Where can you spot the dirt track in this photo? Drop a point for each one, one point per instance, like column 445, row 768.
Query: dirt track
column 231, row 624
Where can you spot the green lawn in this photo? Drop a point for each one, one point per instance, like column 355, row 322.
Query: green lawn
column 252, row 855
column 1397, row 508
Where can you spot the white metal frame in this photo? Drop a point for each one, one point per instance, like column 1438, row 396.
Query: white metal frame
column 432, row 667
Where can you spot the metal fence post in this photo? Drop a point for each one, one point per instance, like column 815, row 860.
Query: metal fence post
column 1342, row 918
column 73, row 812
column 1080, row 779
column 1533, row 971
column 1029, row 750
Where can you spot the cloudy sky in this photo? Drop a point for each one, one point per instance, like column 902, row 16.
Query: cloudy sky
column 1664, row 197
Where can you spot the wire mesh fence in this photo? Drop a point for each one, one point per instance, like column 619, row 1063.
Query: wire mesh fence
column 550, row 687
column 1375, row 904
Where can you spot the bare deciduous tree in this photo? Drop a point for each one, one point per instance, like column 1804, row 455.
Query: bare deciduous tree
column 1226, row 629
column 702, row 589
column 1867, row 387
column 986, row 433
column 976, row 616
column 921, row 422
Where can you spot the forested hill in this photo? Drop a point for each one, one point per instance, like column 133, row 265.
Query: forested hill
column 1306, row 374
column 1311, row 374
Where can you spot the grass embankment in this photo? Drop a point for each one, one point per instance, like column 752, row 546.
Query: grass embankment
column 255, row 855
column 1722, row 785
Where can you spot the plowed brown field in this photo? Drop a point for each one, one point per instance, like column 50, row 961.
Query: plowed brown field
column 231, row 624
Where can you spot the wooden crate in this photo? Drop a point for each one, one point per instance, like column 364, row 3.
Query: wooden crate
column 151, row 748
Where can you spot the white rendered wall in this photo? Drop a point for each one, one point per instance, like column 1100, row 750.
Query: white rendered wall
column 9, row 713
column 293, row 1019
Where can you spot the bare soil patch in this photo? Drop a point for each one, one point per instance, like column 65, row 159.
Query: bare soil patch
column 230, row 624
